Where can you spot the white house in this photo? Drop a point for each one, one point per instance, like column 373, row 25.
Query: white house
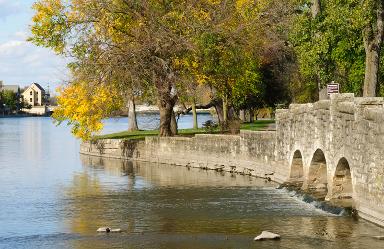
column 34, row 95
column 37, row 98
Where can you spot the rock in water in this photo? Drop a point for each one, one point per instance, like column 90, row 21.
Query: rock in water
column 108, row 230
column 379, row 237
column 103, row 230
column 265, row 235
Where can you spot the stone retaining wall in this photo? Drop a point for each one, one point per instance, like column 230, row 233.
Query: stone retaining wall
column 332, row 148
column 251, row 153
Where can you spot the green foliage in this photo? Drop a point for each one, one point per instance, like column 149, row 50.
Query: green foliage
column 210, row 126
column 330, row 46
column 9, row 99
column 50, row 25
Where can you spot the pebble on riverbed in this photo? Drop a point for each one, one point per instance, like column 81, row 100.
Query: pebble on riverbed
column 108, row 230
column 265, row 235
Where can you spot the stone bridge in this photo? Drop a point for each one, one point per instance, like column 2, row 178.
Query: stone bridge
column 332, row 148
column 336, row 148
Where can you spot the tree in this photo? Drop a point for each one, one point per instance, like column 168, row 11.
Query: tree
column 142, row 47
column 341, row 41
column 9, row 99
column 139, row 37
column 226, row 54
column 373, row 33
column 85, row 107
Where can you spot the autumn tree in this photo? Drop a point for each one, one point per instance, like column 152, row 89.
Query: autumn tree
column 104, row 36
column 165, row 48
column 84, row 107
column 225, row 55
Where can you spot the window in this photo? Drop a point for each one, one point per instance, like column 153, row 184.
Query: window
column 30, row 93
column 30, row 100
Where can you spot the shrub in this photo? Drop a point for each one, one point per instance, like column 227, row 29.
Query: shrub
column 210, row 126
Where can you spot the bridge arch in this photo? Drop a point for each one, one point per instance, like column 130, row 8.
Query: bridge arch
column 297, row 168
column 342, row 181
column 317, row 175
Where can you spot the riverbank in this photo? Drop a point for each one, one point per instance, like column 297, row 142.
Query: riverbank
column 326, row 148
column 206, row 151
column 25, row 115
column 215, row 152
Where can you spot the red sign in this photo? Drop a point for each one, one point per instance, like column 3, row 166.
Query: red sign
column 333, row 88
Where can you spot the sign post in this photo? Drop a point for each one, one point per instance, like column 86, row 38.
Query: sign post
column 333, row 88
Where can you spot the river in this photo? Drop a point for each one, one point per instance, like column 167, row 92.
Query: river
column 51, row 197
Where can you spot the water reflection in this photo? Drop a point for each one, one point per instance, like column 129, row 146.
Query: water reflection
column 164, row 206
column 163, row 175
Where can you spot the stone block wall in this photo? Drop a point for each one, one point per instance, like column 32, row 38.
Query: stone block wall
column 349, row 133
column 251, row 153
column 334, row 148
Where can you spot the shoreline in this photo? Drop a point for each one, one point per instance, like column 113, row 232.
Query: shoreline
column 23, row 116
column 327, row 147
column 154, row 150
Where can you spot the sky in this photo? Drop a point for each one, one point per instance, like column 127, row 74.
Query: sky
column 22, row 63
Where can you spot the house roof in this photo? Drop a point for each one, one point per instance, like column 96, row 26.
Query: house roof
column 13, row 88
column 38, row 86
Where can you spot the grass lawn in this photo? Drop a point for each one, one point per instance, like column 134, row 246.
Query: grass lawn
column 257, row 125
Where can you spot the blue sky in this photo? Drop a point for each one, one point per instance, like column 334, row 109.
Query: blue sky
column 21, row 62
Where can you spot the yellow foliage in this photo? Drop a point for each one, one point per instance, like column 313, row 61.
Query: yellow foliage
column 84, row 107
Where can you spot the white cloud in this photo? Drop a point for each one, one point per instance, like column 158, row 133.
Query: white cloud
column 9, row 7
column 22, row 63
column 21, row 35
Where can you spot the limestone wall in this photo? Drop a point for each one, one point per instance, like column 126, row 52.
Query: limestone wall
column 251, row 153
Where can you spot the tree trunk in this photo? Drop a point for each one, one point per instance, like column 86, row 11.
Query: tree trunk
column 219, row 112
column 372, row 61
column 195, row 125
column 373, row 38
column 242, row 115
column 166, row 102
column 251, row 115
column 316, row 8
column 132, row 120
column 225, row 109
column 165, row 120
column 256, row 114
column 173, row 123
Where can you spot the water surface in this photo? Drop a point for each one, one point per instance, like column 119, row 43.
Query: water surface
column 51, row 197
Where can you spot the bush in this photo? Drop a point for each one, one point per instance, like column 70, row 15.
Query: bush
column 231, row 126
column 210, row 126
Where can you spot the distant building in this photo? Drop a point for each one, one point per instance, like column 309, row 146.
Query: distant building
column 13, row 88
column 35, row 95
column 36, row 98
